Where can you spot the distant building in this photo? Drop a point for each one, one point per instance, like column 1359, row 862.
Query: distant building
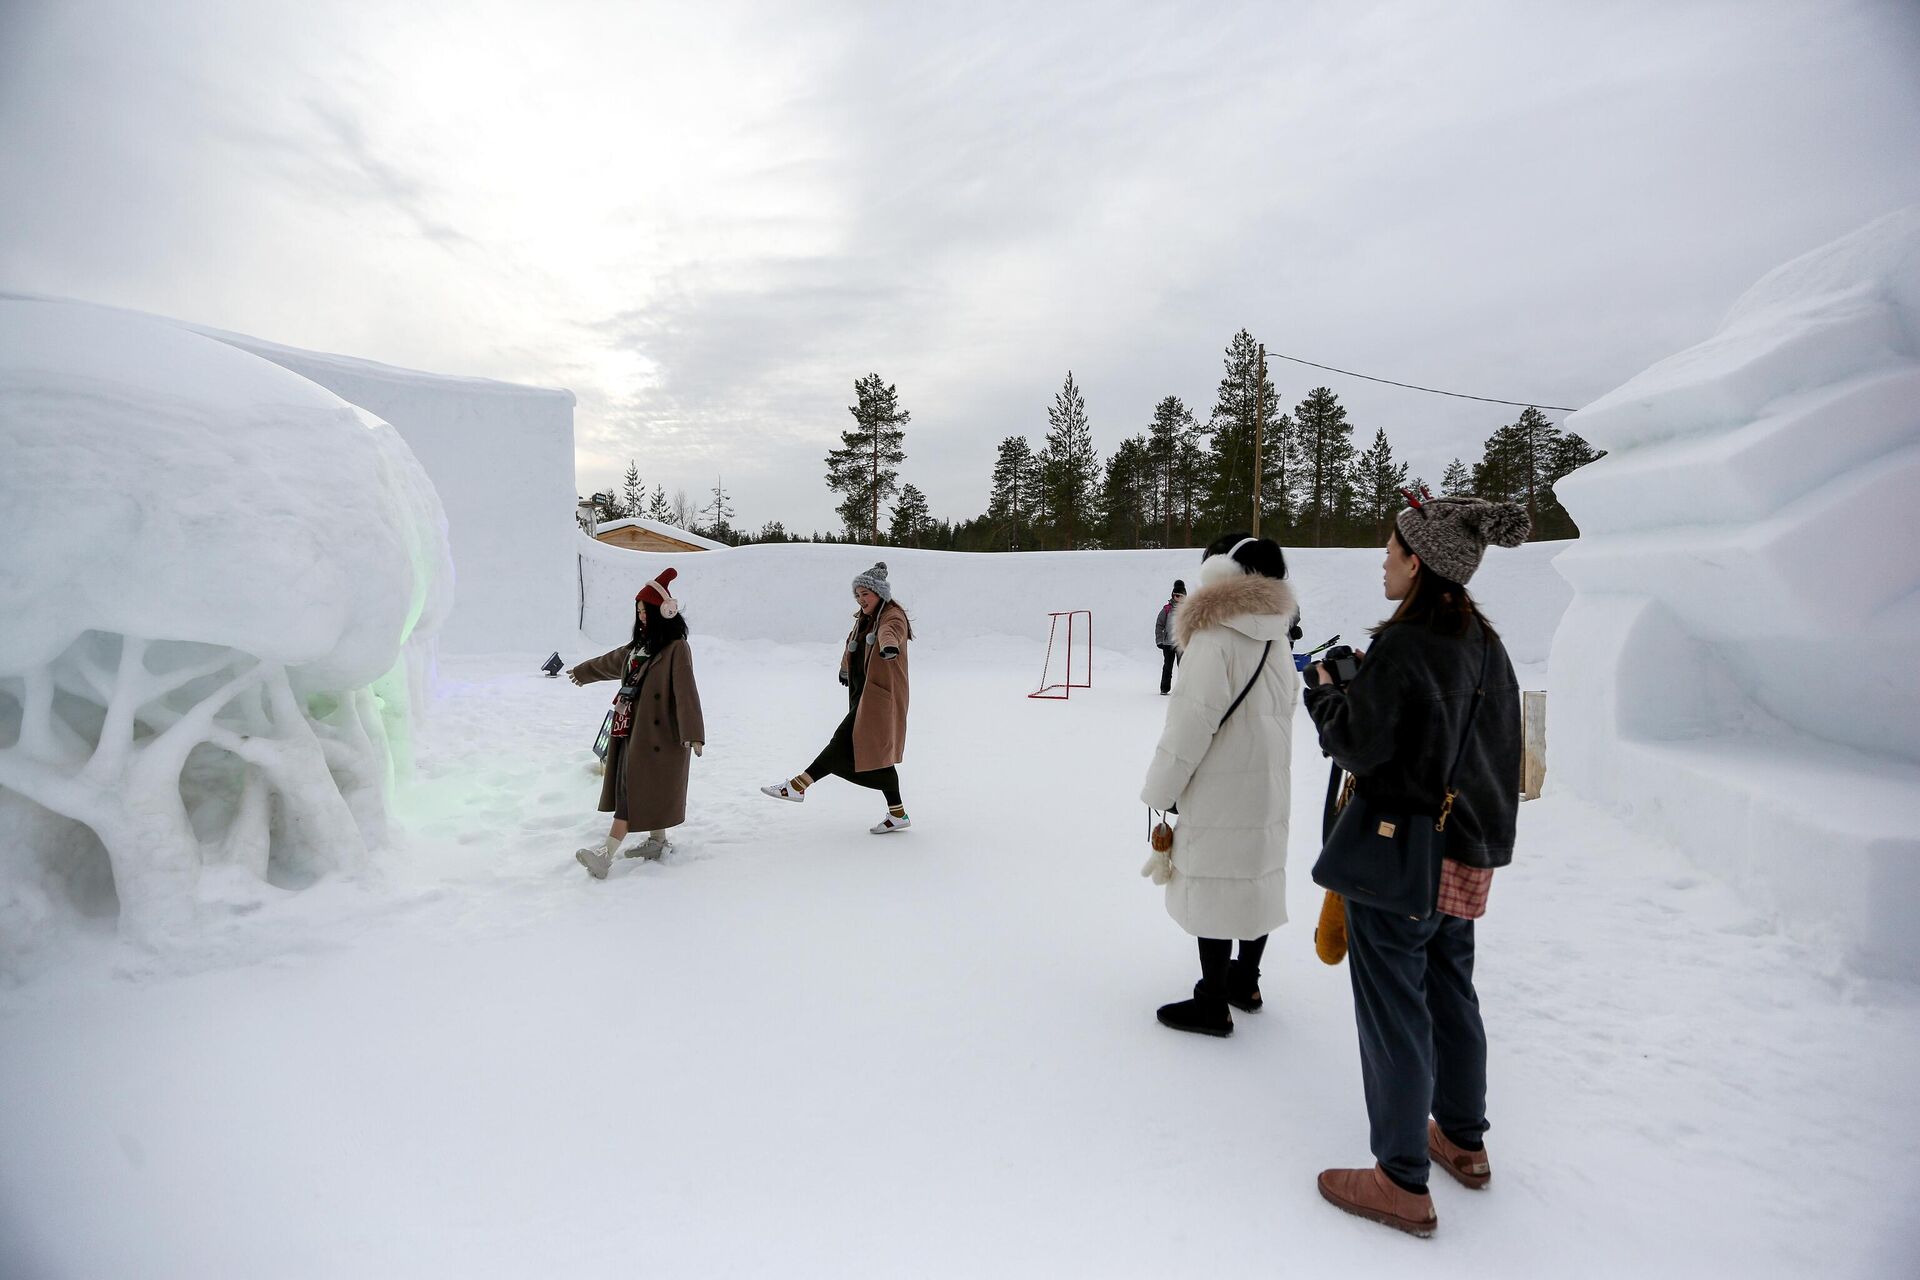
column 652, row 535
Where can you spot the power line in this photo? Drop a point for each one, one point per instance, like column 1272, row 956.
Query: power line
column 1458, row 395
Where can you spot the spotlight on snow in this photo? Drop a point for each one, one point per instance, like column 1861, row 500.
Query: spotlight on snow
column 215, row 667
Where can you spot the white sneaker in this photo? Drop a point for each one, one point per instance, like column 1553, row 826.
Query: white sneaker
column 650, row 849
column 595, row 859
column 784, row 791
column 890, row 824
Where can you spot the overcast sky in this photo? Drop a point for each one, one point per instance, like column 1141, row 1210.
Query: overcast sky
column 707, row 220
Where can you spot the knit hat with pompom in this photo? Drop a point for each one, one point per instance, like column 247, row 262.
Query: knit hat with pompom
column 1451, row 534
column 875, row 580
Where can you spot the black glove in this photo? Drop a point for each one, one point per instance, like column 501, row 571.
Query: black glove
column 844, row 681
column 889, row 652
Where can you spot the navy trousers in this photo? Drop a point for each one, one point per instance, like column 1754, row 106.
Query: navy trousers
column 1423, row 1050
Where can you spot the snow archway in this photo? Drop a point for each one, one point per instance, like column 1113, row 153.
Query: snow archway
column 220, row 583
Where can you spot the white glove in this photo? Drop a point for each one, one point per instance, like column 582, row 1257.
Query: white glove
column 1159, row 866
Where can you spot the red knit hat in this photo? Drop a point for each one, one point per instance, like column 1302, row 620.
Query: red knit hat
column 656, row 593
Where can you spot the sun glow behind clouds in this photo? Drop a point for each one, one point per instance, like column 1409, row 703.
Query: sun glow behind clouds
column 708, row 220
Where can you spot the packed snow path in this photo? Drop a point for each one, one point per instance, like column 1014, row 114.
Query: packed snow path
column 796, row 1049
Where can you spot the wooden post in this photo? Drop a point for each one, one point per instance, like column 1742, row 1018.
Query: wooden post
column 1259, row 428
column 1533, row 767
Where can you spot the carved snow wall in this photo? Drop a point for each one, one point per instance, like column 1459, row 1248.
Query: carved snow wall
column 1739, row 670
column 218, row 582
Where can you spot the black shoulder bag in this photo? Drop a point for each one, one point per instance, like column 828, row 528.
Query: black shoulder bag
column 1391, row 860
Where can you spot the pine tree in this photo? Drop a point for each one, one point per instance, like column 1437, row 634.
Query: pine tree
column 657, row 508
column 1238, row 404
column 720, row 514
column 1322, row 463
column 864, row 470
column 1068, row 463
column 633, row 493
column 1129, row 498
column 1378, row 481
column 1455, row 482
column 772, row 531
column 1016, row 488
column 910, row 517
column 1172, row 431
column 1190, row 484
column 1568, row 454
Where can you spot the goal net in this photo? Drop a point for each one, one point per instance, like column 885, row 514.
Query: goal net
column 1070, row 640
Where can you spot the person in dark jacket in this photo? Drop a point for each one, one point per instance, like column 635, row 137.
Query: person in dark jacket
column 1396, row 726
column 657, row 727
column 1163, row 635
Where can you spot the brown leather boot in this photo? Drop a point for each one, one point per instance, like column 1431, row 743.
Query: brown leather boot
column 1469, row 1168
column 1369, row 1193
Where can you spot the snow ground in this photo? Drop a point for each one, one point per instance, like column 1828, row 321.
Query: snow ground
column 796, row 1049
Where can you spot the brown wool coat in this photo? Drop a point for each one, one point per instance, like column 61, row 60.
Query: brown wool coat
column 666, row 713
column 880, row 721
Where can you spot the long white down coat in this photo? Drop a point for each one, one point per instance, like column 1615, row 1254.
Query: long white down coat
column 1232, row 783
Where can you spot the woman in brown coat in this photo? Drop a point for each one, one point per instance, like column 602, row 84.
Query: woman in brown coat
column 873, row 737
column 657, row 727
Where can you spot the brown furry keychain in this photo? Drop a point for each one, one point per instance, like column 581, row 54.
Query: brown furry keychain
column 1330, row 934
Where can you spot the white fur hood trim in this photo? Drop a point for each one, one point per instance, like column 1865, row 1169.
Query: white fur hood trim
column 1258, row 607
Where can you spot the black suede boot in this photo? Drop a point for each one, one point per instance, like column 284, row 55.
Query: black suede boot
column 1243, row 986
column 1206, row 1014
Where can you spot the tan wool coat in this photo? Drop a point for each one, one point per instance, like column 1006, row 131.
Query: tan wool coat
column 880, row 720
column 666, row 713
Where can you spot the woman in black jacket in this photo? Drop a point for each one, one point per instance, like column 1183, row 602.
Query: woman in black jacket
column 1397, row 727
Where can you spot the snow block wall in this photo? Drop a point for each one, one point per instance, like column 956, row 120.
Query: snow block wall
column 1740, row 668
column 501, row 457
column 801, row 593
column 218, row 588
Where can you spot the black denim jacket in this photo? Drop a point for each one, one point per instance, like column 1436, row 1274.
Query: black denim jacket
column 1397, row 725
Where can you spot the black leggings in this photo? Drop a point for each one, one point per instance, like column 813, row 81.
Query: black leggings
column 836, row 758
column 1216, row 952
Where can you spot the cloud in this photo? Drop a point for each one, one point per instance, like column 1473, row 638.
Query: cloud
column 709, row 223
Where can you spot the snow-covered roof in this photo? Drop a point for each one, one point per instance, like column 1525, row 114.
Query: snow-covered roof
column 663, row 529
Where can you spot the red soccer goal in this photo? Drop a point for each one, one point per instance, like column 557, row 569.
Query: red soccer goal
column 1067, row 684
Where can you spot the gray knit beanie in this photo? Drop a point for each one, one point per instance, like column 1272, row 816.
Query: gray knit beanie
column 1451, row 534
column 875, row 580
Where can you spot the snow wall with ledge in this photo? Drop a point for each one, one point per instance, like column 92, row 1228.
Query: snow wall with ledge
column 1739, row 670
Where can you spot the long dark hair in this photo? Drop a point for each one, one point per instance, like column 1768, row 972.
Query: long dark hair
column 653, row 632
column 860, row 615
column 1439, row 604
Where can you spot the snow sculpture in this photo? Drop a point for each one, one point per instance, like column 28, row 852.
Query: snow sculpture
column 1740, row 666
column 218, row 583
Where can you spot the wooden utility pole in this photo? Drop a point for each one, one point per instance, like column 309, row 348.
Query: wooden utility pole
column 1259, row 428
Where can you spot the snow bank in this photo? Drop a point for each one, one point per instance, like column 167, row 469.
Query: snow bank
column 1738, row 665
column 501, row 457
column 801, row 592
column 213, row 573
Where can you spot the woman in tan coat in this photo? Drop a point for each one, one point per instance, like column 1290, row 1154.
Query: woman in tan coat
column 657, row 727
column 873, row 737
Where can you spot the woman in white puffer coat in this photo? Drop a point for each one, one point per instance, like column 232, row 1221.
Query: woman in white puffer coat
column 1223, row 762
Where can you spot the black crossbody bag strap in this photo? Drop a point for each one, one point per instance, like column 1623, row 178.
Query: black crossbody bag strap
column 1249, row 689
column 1466, row 733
